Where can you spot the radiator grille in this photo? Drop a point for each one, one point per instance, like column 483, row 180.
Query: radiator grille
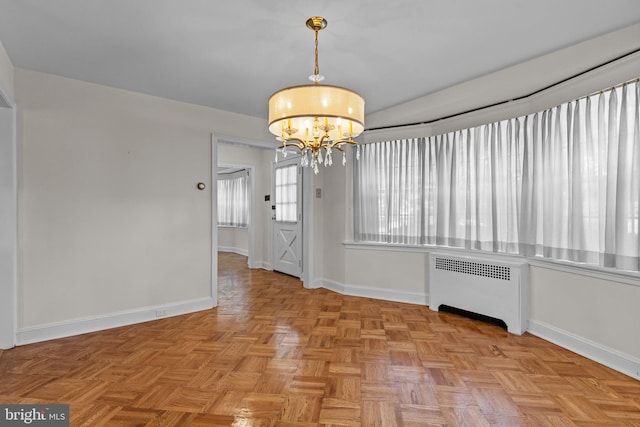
column 474, row 268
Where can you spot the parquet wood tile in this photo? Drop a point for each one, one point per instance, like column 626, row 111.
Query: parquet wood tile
column 276, row 354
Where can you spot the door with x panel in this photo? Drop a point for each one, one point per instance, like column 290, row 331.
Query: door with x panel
column 287, row 218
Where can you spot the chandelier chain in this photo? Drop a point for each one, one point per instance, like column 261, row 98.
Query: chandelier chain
column 316, row 70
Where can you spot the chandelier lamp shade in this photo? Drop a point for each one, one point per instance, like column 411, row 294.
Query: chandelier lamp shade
column 316, row 118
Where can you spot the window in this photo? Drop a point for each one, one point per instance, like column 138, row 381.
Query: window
column 286, row 193
column 233, row 199
column 562, row 184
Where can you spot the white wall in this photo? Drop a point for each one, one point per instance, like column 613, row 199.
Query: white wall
column 231, row 239
column 8, row 203
column 260, row 160
column 602, row 311
column 334, row 193
column 111, row 223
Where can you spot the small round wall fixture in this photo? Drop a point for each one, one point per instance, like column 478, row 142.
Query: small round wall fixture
column 201, row 186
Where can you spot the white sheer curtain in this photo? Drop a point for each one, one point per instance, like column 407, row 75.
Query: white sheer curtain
column 583, row 180
column 562, row 184
column 472, row 196
column 389, row 195
column 233, row 199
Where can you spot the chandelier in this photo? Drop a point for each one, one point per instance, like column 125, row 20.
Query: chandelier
column 315, row 118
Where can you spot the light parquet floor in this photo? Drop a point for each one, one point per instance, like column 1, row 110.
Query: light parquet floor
column 276, row 354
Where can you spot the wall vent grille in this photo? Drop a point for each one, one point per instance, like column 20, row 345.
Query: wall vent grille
column 474, row 268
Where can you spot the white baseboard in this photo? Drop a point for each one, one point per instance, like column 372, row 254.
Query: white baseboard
column 85, row 325
column 375, row 293
column 239, row 251
column 261, row 264
column 606, row 356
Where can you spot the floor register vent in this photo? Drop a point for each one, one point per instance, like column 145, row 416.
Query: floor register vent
column 485, row 287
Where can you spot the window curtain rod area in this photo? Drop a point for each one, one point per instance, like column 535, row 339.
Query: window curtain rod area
column 472, row 110
column 600, row 92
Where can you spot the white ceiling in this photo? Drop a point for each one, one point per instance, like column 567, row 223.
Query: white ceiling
column 233, row 55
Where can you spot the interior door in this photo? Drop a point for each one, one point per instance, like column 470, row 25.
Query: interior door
column 287, row 218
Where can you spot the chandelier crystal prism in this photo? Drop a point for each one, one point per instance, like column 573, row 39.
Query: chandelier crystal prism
column 315, row 118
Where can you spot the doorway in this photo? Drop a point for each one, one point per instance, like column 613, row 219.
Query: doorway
column 233, row 235
column 287, row 217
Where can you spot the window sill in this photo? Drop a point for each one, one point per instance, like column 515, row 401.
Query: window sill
column 231, row 227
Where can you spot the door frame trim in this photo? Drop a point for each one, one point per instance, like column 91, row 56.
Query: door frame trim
column 8, row 331
column 214, row 219
column 308, row 253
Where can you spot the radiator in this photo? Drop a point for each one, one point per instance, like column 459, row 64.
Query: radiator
column 495, row 289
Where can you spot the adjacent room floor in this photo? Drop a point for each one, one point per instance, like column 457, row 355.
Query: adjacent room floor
column 276, row 354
